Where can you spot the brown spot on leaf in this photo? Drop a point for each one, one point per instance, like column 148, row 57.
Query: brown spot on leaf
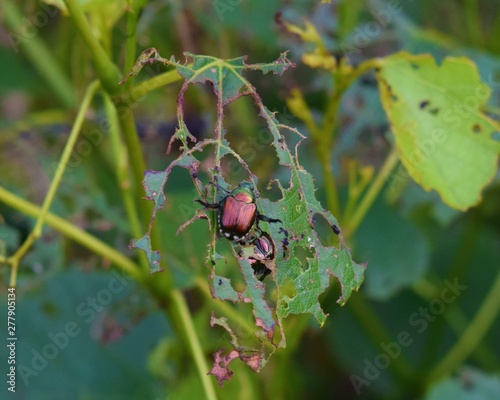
column 219, row 369
column 434, row 111
column 268, row 329
column 476, row 128
column 254, row 361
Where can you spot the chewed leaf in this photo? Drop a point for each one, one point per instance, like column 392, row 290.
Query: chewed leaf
column 154, row 257
column 443, row 137
column 153, row 185
column 225, row 75
column 223, row 290
column 296, row 209
column 303, row 265
column 255, row 293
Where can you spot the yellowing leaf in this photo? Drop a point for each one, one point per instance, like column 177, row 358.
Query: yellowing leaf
column 320, row 60
column 320, row 57
column 443, row 137
column 307, row 34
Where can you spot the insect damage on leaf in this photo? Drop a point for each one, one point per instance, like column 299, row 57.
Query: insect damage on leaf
column 444, row 138
column 266, row 237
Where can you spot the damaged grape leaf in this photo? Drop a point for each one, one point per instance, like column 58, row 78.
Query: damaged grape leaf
column 443, row 136
column 299, row 280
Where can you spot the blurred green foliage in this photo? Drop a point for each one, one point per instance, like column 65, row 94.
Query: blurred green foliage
column 415, row 245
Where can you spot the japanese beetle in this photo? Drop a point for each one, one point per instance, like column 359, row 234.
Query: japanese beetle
column 264, row 250
column 237, row 212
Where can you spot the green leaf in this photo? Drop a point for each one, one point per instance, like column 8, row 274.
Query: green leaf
column 153, row 185
column 398, row 253
column 154, row 257
column 223, row 290
column 471, row 384
column 298, row 209
column 443, row 137
column 116, row 368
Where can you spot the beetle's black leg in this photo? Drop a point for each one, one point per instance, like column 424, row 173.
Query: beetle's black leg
column 261, row 217
column 208, row 205
column 261, row 270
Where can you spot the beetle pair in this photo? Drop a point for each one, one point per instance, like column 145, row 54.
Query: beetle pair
column 236, row 216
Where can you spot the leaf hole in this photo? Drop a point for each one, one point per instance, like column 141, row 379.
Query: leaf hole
column 302, row 254
column 234, row 171
column 476, row 128
column 284, row 305
column 423, row 104
column 434, row 111
column 324, row 230
column 496, row 136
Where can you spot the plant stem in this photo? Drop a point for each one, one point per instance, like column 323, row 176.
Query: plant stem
column 133, row 11
column 323, row 140
column 473, row 21
column 123, row 173
column 107, row 71
column 370, row 196
column 224, row 307
column 39, row 55
column 151, row 84
column 186, row 322
column 472, row 335
column 61, row 166
column 74, row 233
column 177, row 305
column 456, row 319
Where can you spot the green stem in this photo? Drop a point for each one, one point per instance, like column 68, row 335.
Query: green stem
column 472, row 335
column 74, row 233
column 327, row 133
column 372, row 193
column 61, row 167
column 133, row 11
column 151, row 84
column 38, row 53
column 332, row 196
column 224, row 307
column 186, row 322
column 134, row 151
column 107, row 71
column 473, row 21
column 456, row 319
column 324, row 138
column 123, row 173
column 177, row 308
